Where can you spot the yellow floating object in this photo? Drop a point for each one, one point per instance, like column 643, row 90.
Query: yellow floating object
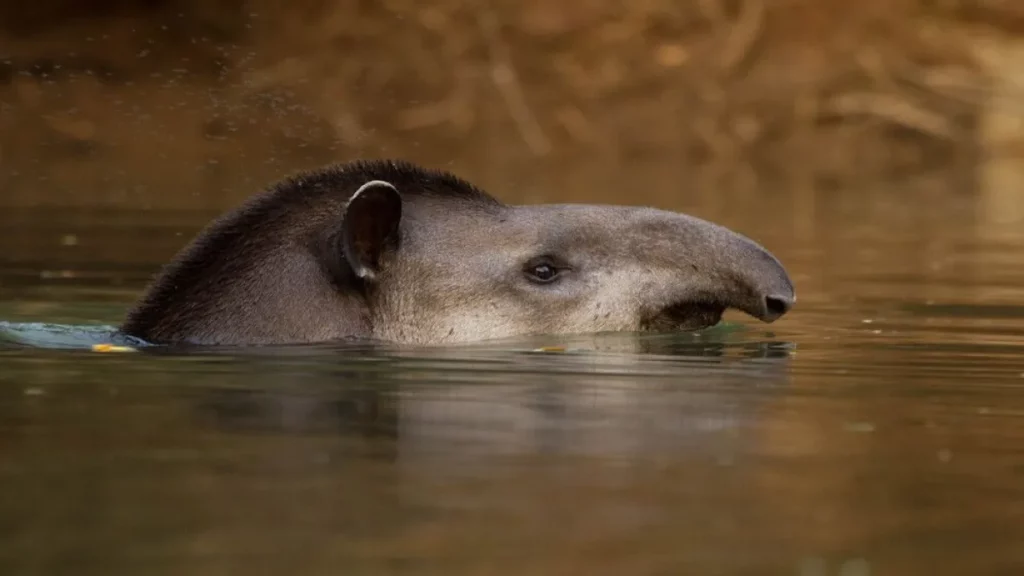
column 550, row 349
column 111, row 348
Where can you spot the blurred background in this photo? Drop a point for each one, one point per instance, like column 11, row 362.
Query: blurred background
column 194, row 104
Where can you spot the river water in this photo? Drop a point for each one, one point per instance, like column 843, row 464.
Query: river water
column 877, row 429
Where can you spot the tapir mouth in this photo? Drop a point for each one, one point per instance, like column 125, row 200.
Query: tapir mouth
column 684, row 317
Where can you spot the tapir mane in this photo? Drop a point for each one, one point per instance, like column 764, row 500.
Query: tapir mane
column 321, row 194
column 342, row 180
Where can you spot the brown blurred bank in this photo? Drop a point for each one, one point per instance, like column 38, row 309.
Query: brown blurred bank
column 193, row 104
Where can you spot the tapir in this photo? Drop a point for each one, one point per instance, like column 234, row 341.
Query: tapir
column 386, row 250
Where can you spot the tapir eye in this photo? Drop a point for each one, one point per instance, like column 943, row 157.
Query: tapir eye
column 543, row 270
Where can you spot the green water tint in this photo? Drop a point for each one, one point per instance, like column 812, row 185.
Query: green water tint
column 63, row 336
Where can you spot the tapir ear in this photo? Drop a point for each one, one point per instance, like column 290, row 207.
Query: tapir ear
column 370, row 226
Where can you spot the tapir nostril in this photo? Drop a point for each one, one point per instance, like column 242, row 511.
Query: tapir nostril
column 776, row 306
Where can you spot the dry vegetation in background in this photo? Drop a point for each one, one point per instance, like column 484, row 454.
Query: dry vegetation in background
column 191, row 102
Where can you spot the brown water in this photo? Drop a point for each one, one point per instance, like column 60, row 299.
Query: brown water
column 879, row 429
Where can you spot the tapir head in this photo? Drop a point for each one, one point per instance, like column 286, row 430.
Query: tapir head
column 392, row 252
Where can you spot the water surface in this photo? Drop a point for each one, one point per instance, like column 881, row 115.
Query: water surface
column 878, row 429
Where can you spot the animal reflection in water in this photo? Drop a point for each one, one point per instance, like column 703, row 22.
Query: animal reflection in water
column 430, row 409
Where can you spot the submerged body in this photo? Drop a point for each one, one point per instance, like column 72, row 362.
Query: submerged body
column 390, row 251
